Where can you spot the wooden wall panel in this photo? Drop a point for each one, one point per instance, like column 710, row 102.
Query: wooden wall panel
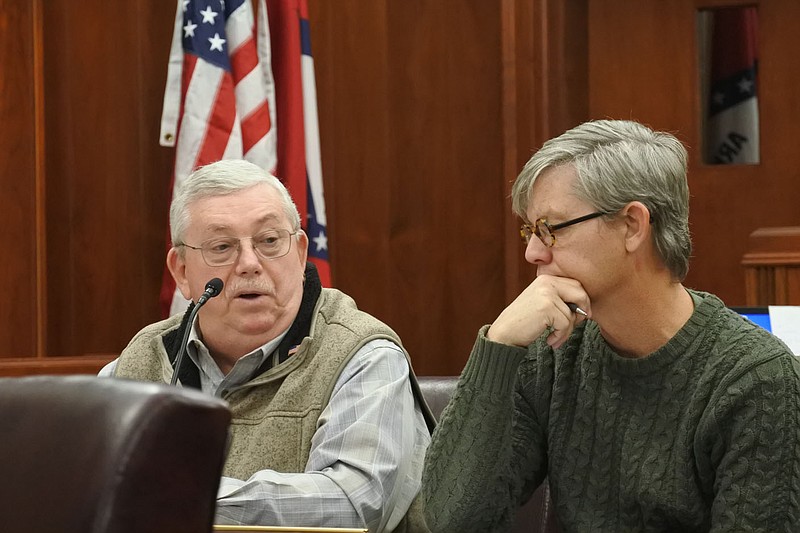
column 18, row 201
column 428, row 109
column 545, row 60
column 353, row 101
column 729, row 203
column 643, row 66
column 642, row 63
column 108, row 179
column 30, row 366
column 411, row 128
column 772, row 267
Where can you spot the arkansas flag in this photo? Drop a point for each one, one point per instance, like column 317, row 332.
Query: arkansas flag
column 732, row 123
column 222, row 102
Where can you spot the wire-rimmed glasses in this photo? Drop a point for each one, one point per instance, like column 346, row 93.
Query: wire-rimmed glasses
column 223, row 251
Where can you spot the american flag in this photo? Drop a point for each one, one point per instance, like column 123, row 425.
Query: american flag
column 221, row 102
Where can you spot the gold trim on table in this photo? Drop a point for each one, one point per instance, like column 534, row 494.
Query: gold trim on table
column 286, row 529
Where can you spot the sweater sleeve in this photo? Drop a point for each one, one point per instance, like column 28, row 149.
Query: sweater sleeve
column 472, row 478
column 751, row 443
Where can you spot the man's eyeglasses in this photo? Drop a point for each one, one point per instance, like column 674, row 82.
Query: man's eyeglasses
column 544, row 230
column 223, row 251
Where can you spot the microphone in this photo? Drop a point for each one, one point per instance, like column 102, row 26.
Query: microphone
column 213, row 288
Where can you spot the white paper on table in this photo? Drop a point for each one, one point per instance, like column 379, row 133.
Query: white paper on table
column 785, row 324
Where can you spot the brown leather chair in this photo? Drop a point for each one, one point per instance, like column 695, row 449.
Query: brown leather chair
column 80, row 454
column 537, row 515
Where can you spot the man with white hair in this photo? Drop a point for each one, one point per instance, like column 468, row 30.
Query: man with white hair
column 326, row 429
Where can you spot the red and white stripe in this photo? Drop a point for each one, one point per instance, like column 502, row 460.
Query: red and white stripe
column 211, row 114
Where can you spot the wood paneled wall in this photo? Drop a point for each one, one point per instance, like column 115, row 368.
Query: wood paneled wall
column 412, row 143
column 643, row 65
column 19, row 202
column 428, row 109
column 427, row 113
column 80, row 98
column 107, row 177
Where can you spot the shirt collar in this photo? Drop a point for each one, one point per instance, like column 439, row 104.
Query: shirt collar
column 212, row 379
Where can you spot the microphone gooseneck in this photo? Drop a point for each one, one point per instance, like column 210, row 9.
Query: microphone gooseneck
column 213, row 288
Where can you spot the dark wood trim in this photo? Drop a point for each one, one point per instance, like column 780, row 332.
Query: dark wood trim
column 510, row 105
column 40, row 203
column 716, row 4
column 26, row 366
column 546, row 45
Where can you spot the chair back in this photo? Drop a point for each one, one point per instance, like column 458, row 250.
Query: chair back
column 81, row 454
column 537, row 514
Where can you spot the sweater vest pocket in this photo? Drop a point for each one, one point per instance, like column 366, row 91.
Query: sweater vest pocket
column 279, row 442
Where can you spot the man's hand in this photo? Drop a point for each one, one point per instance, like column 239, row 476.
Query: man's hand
column 540, row 306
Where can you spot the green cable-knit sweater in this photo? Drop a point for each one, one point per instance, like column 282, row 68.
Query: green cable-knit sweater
column 701, row 435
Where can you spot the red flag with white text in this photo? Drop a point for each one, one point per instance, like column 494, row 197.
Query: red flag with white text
column 732, row 129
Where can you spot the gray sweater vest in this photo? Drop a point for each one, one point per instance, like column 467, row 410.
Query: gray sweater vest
column 275, row 414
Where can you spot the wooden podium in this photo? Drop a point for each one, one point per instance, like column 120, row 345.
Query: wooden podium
column 772, row 267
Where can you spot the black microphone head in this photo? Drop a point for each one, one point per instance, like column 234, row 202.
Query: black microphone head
column 214, row 287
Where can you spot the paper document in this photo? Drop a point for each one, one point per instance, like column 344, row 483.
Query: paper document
column 785, row 320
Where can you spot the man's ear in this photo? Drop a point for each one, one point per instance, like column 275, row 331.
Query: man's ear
column 637, row 225
column 176, row 264
column 302, row 246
